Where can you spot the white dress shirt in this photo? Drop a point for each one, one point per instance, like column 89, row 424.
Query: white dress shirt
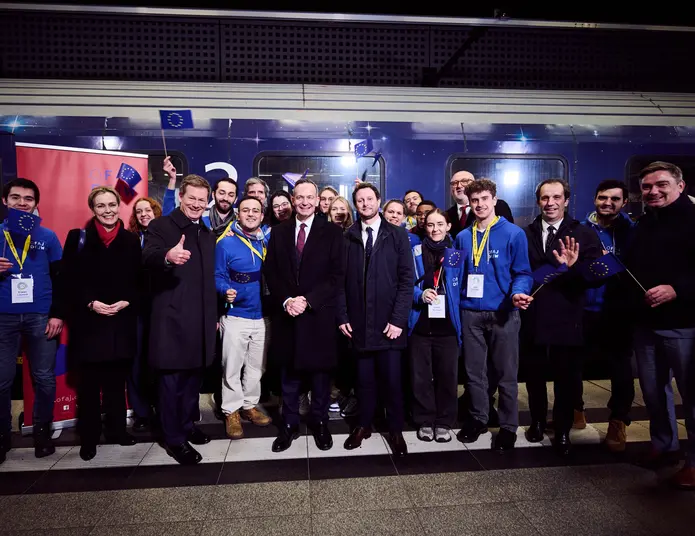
column 307, row 229
column 460, row 209
column 544, row 230
column 375, row 231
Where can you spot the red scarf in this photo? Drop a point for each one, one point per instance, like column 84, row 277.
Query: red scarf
column 107, row 236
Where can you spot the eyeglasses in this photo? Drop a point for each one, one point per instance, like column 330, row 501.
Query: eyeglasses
column 460, row 182
column 282, row 205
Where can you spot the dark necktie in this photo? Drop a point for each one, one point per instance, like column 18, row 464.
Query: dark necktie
column 369, row 245
column 550, row 238
column 301, row 240
column 464, row 216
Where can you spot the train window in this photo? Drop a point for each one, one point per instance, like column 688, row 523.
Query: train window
column 158, row 180
column 338, row 170
column 636, row 163
column 516, row 177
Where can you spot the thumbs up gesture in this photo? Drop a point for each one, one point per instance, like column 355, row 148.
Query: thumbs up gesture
column 178, row 255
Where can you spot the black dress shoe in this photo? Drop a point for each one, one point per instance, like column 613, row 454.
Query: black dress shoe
column 535, row 432
column 197, row 437
column 397, row 444
column 184, row 454
column 562, row 443
column 43, row 444
column 124, row 439
column 471, row 431
column 504, row 440
column 322, row 437
column 141, row 424
column 285, row 437
column 356, row 437
column 87, row 452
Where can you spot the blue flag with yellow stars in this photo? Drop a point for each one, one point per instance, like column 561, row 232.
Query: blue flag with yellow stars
column 129, row 175
column 176, row 119
column 20, row 222
column 602, row 268
column 546, row 273
column 453, row 258
column 363, row 148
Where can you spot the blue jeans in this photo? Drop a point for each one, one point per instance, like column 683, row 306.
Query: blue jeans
column 662, row 355
column 29, row 328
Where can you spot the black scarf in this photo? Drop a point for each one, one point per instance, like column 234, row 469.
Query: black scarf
column 217, row 224
column 432, row 253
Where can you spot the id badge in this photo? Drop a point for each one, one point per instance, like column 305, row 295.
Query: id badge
column 22, row 290
column 437, row 309
column 474, row 289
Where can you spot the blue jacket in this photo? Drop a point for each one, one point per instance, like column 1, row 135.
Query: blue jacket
column 236, row 263
column 504, row 264
column 614, row 239
column 452, row 281
column 168, row 202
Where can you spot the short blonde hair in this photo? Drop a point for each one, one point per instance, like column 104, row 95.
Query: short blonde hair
column 102, row 190
column 194, row 181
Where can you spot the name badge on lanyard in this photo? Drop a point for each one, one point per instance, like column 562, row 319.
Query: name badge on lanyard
column 474, row 288
column 22, row 290
column 437, row 309
column 476, row 282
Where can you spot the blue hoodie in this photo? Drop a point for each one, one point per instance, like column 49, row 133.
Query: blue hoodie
column 504, row 264
column 614, row 239
column 236, row 263
column 452, row 280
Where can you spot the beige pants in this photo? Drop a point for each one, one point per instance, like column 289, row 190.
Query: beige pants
column 244, row 353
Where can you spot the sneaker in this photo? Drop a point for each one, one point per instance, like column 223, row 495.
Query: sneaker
column 304, row 404
column 425, row 433
column 350, row 407
column 616, row 436
column 233, row 426
column 579, row 420
column 334, row 407
column 256, row 416
column 442, row 434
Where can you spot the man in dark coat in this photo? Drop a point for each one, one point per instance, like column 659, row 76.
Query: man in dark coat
column 184, row 314
column 303, row 270
column 375, row 303
column 460, row 214
column 552, row 325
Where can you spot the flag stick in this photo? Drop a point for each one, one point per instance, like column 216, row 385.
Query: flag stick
column 535, row 291
column 633, row 277
column 164, row 141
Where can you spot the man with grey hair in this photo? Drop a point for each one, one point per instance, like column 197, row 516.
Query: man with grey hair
column 662, row 258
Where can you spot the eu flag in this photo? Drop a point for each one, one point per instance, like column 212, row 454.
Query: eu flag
column 20, row 222
column 364, row 147
column 176, row 119
column 602, row 268
column 129, row 175
column 453, row 258
column 126, row 192
column 548, row 272
column 292, row 178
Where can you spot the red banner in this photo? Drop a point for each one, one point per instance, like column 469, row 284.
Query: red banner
column 65, row 176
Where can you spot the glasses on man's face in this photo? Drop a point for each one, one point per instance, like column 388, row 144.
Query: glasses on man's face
column 461, row 182
column 282, row 205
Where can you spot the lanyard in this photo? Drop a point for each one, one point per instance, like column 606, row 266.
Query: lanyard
column 250, row 246
column 226, row 230
column 142, row 240
column 438, row 277
column 13, row 249
column 478, row 251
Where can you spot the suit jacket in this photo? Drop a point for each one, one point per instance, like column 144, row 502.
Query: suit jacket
column 309, row 341
column 501, row 209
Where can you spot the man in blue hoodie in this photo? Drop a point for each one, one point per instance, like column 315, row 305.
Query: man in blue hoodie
column 496, row 283
column 238, row 262
column 606, row 325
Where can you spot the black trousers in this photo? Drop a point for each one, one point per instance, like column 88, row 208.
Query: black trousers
column 384, row 366
column 563, row 365
column 610, row 338
column 434, row 374
column 101, row 388
column 295, row 383
column 179, row 395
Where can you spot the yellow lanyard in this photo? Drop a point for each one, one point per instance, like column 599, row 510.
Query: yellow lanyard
column 13, row 249
column 250, row 246
column 226, row 230
column 478, row 251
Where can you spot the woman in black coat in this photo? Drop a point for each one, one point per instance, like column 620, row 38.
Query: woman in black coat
column 101, row 271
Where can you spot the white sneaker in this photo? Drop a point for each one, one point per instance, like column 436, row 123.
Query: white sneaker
column 425, row 433
column 334, row 407
column 442, row 434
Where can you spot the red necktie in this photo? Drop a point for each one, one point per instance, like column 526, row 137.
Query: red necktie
column 463, row 215
column 301, row 239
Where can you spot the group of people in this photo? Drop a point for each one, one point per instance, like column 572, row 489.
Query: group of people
column 383, row 309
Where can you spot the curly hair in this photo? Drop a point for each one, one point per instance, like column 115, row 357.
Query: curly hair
column 133, row 225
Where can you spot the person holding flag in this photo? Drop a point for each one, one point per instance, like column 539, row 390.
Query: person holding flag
column 495, row 284
column 552, row 332
column 434, row 330
column 30, row 310
column 245, row 326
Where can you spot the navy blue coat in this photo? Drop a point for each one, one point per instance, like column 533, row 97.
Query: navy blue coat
column 383, row 295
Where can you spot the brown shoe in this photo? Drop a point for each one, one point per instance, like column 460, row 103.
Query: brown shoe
column 356, row 437
column 233, row 426
column 616, row 436
column 684, row 479
column 579, row 420
column 256, row 416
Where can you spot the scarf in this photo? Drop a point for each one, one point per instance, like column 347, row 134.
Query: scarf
column 107, row 236
column 432, row 255
column 217, row 224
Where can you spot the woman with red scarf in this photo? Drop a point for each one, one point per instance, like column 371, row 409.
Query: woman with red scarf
column 101, row 271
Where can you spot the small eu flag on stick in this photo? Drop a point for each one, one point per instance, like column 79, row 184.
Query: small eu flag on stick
column 546, row 273
column 21, row 223
column 604, row 267
column 363, row 148
column 174, row 120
